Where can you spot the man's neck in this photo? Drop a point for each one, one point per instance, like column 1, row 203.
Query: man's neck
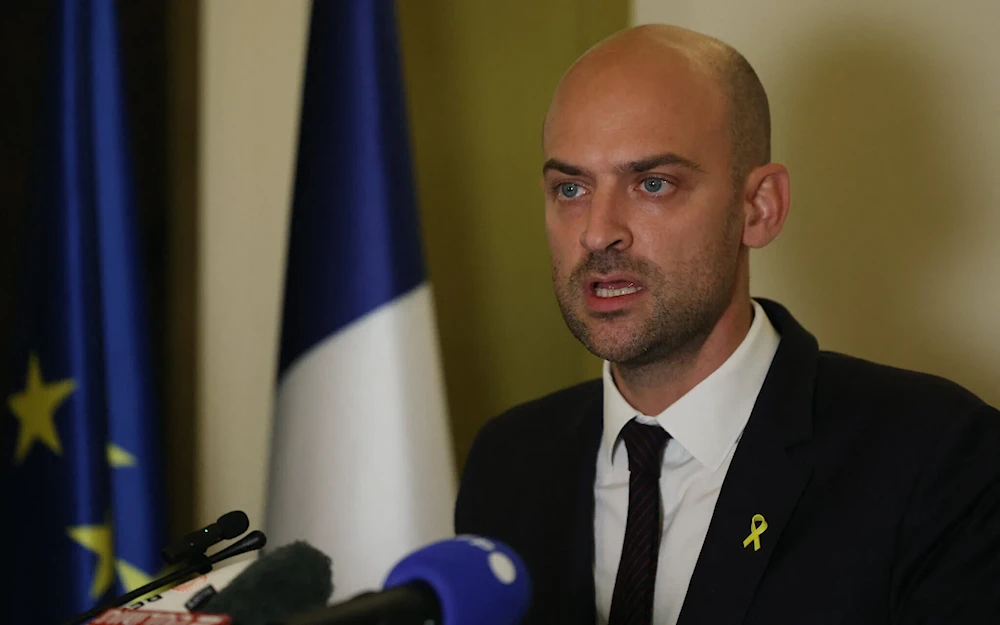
column 653, row 387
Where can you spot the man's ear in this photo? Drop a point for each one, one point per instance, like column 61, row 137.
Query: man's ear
column 766, row 199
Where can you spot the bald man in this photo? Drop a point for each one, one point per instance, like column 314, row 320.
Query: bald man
column 724, row 470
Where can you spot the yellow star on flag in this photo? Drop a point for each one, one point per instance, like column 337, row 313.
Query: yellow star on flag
column 35, row 408
column 97, row 538
column 132, row 576
column 119, row 458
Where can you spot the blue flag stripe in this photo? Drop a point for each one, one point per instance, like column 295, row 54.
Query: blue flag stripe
column 75, row 280
column 354, row 240
column 127, row 386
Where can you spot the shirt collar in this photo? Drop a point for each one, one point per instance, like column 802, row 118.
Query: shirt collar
column 710, row 418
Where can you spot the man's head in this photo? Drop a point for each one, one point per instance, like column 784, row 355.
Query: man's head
column 657, row 180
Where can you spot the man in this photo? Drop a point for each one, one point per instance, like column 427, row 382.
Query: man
column 724, row 470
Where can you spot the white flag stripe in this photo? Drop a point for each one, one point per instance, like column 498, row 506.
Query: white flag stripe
column 362, row 465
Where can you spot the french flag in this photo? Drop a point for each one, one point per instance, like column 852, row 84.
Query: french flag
column 361, row 463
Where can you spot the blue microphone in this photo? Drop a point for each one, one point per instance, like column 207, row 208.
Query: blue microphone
column 467, row 580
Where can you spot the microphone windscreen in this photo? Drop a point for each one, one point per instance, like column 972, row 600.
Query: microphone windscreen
column 291, row 579
column 478, row 581
column 233, row 524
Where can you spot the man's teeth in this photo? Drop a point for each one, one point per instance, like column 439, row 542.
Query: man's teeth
column 616, row 292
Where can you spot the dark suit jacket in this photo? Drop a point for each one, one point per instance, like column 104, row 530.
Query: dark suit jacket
column 880, row 488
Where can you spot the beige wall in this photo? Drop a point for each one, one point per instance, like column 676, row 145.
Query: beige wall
column 251, row 57
column 886, row 115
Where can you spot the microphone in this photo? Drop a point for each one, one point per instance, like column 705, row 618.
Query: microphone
column 253, row 540
column 229, row 525
column 467, row 580
column 291, row 579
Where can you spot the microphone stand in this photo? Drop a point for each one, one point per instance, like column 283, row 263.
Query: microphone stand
column 200, row 564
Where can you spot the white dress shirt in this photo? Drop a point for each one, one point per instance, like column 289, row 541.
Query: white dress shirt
column 705, row 425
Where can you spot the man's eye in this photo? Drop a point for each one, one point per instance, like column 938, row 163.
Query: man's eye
column 570, row 190
column 654, row 185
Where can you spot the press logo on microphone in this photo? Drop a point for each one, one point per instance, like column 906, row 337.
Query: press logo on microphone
column 500, row 565
column 121, row 616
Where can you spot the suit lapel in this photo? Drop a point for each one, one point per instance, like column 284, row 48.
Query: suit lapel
column 765, row 478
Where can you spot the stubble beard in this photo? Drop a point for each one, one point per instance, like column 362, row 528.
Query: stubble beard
column 686, row 306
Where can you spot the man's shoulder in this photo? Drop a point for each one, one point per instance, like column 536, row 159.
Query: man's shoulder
column 864, row 385
column 509, row 447
column 547, row 414
column 860, row 376
column 844, row 380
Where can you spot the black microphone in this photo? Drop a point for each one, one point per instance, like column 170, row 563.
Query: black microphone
column 229, row 525
column 293, row 578
column 202, row 565
column 251, row 542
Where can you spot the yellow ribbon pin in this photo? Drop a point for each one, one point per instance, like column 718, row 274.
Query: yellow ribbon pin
column 757, row 527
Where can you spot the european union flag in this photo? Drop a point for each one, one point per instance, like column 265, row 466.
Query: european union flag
column 80, row 494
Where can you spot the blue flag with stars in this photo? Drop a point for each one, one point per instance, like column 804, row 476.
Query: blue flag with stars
column 81, row 512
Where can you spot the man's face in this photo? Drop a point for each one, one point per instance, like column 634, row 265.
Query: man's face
column 643, row 225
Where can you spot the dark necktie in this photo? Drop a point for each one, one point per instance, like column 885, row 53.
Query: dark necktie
column 632, row 601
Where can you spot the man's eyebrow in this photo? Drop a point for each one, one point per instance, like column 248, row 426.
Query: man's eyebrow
column 566, row 168
column 659, row 160
column 639, row 166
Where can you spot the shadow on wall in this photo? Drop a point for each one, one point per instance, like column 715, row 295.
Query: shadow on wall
column 879, row 254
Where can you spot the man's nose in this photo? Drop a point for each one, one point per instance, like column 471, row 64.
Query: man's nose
column 606, row 226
